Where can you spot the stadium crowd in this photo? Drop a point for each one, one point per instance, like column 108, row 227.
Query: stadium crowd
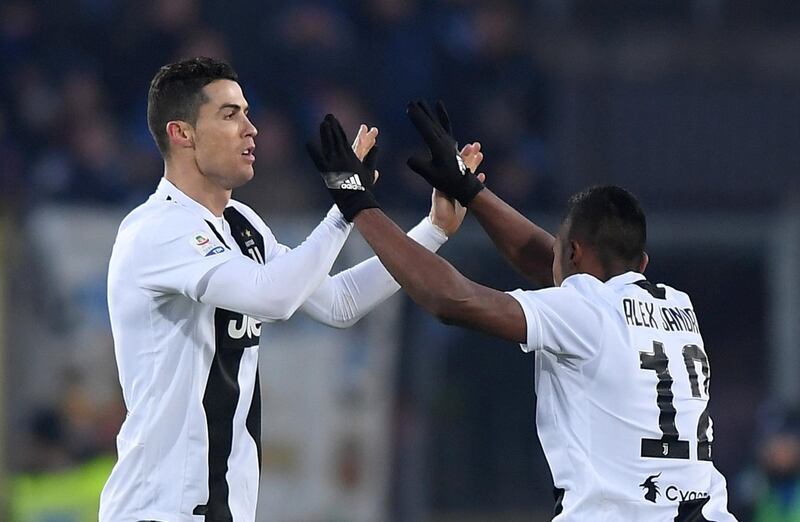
column 75, row 73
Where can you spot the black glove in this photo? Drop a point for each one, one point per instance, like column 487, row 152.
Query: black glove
column 444, row 169
column 348, row 180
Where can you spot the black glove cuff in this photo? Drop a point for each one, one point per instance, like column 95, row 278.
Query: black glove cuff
column 468, row 188
column 351, row 203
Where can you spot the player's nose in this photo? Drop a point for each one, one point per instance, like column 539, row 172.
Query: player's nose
column 250, row 129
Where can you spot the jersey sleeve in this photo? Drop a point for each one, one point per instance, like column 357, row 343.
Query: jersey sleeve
column 562, row 321
column 275, row 290
column 345, row 298
column 176, row 253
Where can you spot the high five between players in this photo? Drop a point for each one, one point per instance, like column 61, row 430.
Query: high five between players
column 622, row 376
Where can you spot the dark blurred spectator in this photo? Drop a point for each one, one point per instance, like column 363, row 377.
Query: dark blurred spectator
column 280, row 157
column 779, row 500
column 46, row 441
column 20, row 23
column 203, row 42
column 771, row 491
column 305, row 46
column 396, row 30
column 11, row 173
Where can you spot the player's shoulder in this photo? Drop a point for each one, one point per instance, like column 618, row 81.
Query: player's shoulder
column 158, row 218
column 574, row 290
column 657, row 290
column 675, row 295
column 251, row 216
column 583, row 284
column 246, row 211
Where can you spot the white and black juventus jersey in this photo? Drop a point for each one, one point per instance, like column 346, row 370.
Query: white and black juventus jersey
column 622, row 382
column 187, row 292
column 189, row 446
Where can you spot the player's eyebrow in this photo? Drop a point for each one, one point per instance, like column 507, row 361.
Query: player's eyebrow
column 235, row 106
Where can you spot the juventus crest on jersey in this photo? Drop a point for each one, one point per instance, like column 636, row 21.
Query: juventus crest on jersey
column 622, row 382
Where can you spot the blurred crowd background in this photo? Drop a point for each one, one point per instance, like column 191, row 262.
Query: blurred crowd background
column 694, row 105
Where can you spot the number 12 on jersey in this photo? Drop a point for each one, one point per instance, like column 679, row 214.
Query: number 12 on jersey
column 670, row 445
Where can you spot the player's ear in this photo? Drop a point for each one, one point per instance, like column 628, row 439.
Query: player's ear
column 180, row 134
column 575, row 252
column 643, row 263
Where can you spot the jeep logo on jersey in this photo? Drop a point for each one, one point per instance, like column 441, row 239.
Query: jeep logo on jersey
column 650, row 488
column 244, row 326
column 235, row 331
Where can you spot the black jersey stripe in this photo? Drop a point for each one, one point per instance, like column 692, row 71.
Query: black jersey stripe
column 558, row 495
column 654, row 290
column 254, row 419
column 219, row 402
column 222, row 393
column 219, row 236
column 249, row 239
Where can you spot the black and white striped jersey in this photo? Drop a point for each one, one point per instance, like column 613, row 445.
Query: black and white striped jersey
column 187, row 293
column 189, row 446
column 622, row 382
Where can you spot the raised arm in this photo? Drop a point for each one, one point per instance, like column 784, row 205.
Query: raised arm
column 341, row 300
column 430, row 281
column 527, row 247
column 435, row 285
column 176, row 254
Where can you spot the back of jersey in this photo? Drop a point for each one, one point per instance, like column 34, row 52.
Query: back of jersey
column 652, row 437
column 622, row 381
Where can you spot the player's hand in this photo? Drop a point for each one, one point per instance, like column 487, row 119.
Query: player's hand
column 444, row 169
column 472, row 156
column 446, row 212
column 364, row 141
column 349, row 181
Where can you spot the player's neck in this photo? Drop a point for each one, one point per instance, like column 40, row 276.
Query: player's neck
column 603, row 270
column 198, row 187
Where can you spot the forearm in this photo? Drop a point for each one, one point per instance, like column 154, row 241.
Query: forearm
column 343, row 299
column 273, row 292
column 427, row 278
column 526, row 246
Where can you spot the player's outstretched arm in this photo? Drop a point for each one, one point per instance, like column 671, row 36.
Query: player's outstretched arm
column 288, row 280
column 430, row 281
column 437, row 286
column 341, row 300
column 527, row 247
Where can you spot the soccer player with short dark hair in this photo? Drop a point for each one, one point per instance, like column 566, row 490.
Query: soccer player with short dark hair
column 622, row 376
column 193, row 275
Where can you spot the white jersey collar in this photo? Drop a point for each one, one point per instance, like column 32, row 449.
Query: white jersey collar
column 166, row 189
column 625, row 279
column 617, row 280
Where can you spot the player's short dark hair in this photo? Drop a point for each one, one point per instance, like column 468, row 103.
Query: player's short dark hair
column 176, row 93
column 612, row 221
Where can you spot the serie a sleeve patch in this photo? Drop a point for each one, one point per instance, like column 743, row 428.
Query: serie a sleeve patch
column 205, row 244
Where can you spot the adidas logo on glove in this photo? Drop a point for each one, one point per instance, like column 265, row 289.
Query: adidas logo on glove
column 343, row 181
column 352, row 183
